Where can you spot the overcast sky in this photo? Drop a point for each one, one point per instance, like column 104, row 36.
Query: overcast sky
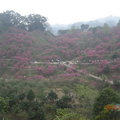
column 64, row 11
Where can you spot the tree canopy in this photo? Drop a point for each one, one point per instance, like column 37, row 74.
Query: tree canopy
column 29, row 23
column 107, row 96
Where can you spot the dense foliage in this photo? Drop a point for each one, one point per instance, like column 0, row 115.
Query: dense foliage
column 29, row 23
column 47, row 77
column 107, row 96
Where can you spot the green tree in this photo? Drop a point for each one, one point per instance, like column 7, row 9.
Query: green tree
column 21, row 96
column 67, row 114
column 108, row 115
column 36, row 115
column 9, row 19
column 52, row 96
column 64, row 102
column 84, row 27
column 30, row 95
column 36, row 112
column 25, row 105
column 35, row 21
column 29, row 23
column 106, row 96
column 3, row 107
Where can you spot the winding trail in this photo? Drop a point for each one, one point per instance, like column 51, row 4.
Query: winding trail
column 93, row 76
column 69, row 65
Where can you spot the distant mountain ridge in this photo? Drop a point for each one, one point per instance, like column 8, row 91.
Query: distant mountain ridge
column 110, row 20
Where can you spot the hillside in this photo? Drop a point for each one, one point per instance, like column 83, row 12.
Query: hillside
column 98, row 47
column 71, row 76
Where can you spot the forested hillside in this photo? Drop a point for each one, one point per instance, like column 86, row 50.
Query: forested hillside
column 63, row 77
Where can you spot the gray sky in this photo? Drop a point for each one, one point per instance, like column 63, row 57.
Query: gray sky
column 64, row 11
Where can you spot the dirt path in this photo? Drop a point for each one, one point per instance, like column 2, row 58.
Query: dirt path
column 93, row 76
column 69, row 63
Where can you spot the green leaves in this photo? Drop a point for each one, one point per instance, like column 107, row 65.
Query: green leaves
column 52, row 96
column 29, row 23
column 106, row 96
column 3, row 105
column 84, row 92
column 30, row 95
column 66, row 114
